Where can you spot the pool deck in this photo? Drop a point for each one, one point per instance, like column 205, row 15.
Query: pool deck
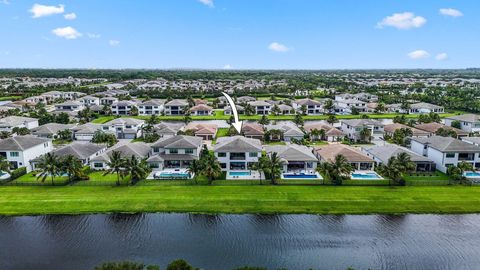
column 151, row 176
column 254, row 175
column 299, row 174
column 365, row 172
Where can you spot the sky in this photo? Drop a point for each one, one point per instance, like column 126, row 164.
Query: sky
column 240, row 34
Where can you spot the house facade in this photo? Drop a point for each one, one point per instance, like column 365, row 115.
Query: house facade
column 468, row 122
column 175, row 152
column 20, row 150
column 353, row 128
column 237, row 153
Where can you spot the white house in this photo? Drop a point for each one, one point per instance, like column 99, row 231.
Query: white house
column 123, row 107
column 468, row 122
column 124, row 128
column 296, row 158
column 86, row 131
column 313, row 107
column 446, row 151
column 201, row 110
column 69, row 106
column 89, row 101
column 353, row 128
column 20, row 150
column 176, row 107
column 150, row 107
column 289, row 131
column 237, row 153
column 10, row 122
column 108, row 100
column 139, row 150
column 82, row 151
column 261, row 107
column 175, row 152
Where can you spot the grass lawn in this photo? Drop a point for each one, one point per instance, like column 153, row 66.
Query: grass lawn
column 30, row 179
column 97, row 178
column 238, row 199
column 12, row 98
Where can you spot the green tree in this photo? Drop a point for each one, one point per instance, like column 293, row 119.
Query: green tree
column 298, row 120
column 195, row 168
column 332, row 119
column 456, row 124
column 4, row 164
column 365, row 135
column 49, row 166
column 116, row 165
column 180, row 265
column 264, row 120
column 337, row 170
column 72, row 166
column 21, row 131
column 137, row 169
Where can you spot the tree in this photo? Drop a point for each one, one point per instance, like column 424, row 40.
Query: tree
column 400, row 119
column 249, row 109
column 456, row 124
column 65, row 135
column 264, row 120
column 271, row 165
column 4, row 164
column 396, row 167
column 62, row 118
column 317, row 134
column 303, row 109
column 365, row 135
column 21, row 131
column 380, row 107
column 405, row 107
column 400, row 136
column 49, row 166
column 298, row 120
column 136, row 168
column 187, row 118
column 212, row 170
column 72, row 166
column 337, row 170
column 195, row 168
column 85, row 115
column 116, row 164
column 134, row 111
column 446, row 132
column 355, row 111
column 180, row 265
column 276, row 110
column 328, row 105
column 102, row 137
column 332, row 119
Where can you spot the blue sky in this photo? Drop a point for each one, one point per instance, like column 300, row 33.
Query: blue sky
column 240, row 34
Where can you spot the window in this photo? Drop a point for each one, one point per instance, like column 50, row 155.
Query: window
column 14, row 154
column 173, row 151
column 98, row 165
column 155, row 149
column 450, row 155
column 222, row 154
column 223, row 165
column 188, row 151
column 253, row 154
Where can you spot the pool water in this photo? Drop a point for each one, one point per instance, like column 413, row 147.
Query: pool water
column 239, row 173
column 300, row 176
column 472, row 174
column 173, row 175
column 369, row 176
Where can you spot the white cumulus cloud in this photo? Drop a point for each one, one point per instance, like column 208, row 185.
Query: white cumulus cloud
column 207, row 3
column 93, row 35
column 451, row 12
column 278, row 47
column 42, row 11
column 67, row 32
column 405, row 20
column 227, row 66
column 70, row 16
column 113, row 42
column 441, row 56
column 418, row 54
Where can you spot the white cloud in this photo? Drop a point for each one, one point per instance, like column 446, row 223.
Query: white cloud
column 207, row 3
column 93, row 35
column 70, row 16
column 42, row 11
column 405, row 20
column 418, row 54
column 113, row 42
column 227, row 66
column 277, row 47
column 441, row 56
column 451, row 12
column 67, row 32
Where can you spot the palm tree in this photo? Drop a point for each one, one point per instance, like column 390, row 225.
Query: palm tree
column 116, row 165
column 4, row 164
column 328, row 105
column 264, row 120
column 392, row 170
column 332, row 119
column 365, row 135
column 298, row 120
column 325, row 168
column 137, row 169
column 274, row 168
column 72, row 166
column 405, row 161
column 49, row 166
column 195, row 168
column 212, row 170
column 340, row 168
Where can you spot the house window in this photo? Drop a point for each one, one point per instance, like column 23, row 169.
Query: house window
column 188, row 151
column 14, row 154
column 253, row 154
column 173, row 151
column 450, row 155
column 223, row 165
column 222, row 154
column 98, row 165
column 155, row 149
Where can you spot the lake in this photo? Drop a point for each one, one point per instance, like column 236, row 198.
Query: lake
column 223, row 242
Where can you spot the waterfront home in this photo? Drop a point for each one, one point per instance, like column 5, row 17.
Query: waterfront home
column 69, row 106
column 285, row 109
column 353, row 128
column 20, row 150
column 201, row 110
column 433, row 127
column 381, row 155
column 468, row 122
column 176, row 107
column 288, row 132
column 108, row 101
column 175, row 152
column 358, row 160
column 332, row 134
column 245, row 99
column 123, row 107
column 151, row 107
column 51, row 130
column 313, row 107
column 139, row 150
column 391, row 128
column 168, row 129
column 253, row 131
column 36, row 99
column 347, row 106
column 261, row 107
column 89, row 101
column 125, row 128
column 205, row 131
column 420, row 107
column 295, row 158
column 82, row 151
column 228, row 110
column 366, row 97
column 86, row 131
column 10, row 122
column 237, row 153
column 446, row 151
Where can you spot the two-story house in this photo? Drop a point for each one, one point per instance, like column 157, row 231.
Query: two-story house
column 69, row 106
column 125, row 128
column 201, row 110
column 176, row 107
column 10, row 122
column 175, row 152
column 20, row 150
column 313, row 107
column 237, row 153
column 354, row 129
column 123, row 107
column 468, row 122
column 89, row 101
column 150, row 107
column 139, row 150
column 261, row 107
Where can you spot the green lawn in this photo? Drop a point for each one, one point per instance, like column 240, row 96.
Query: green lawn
column 98, row 178
column 238, row 199
column 12, row 98
column 31, row 179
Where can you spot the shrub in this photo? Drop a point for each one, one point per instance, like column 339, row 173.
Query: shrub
column 17, row 173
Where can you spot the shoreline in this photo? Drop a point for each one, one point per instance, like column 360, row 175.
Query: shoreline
column 315, row 200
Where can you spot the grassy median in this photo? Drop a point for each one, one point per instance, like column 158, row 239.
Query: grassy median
column 238, row 199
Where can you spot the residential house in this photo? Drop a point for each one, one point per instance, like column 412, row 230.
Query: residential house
column 201, row 110
column 86, row 131
column 433, row 127
column 285, row 109
column 289, row 131
column 332, row 134
column 253, row 131
column 125, row 128
column 176, row 107
column 10, row 122
column 123, row 107
column 20, row 150
column 139, row 150
column 88, row 101
column 472, row 140
column 175, row 152
column 366, row 97
column 381, row 155
column 296, row 158
column 69, row 106
column 468, row 122
column 245, row 99
column 391, row 128
column 168, row 129
column 205, row 131
column 423, row 107
column 151, row 107
column 347, row 106
column 51, row 130
column 353, row 128
column 237, row 153
column 228, row 110
column 82, row 151
column 358, row 160
column 313, row 107
column 261, row 107
column 108, row 100
column 446, row 151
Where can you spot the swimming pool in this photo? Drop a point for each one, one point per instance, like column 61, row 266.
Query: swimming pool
column 173, row 175
column 472, row 174
column 239, row 173
column 365, row 176
column 300, row 176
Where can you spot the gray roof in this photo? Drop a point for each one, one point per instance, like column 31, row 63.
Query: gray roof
column 152, row 102
column 239, row 108
column 124, row 103
column 288, row 128
column 259, row 103
column 384, row 153
column 466, row 118
column 16, row 120
column 79, row 150
column 292, row 152
column 424, row 105
column 177, row 102
column 168, row 128
column 138, row 149
column 51, row 128
column 162, row 157
column 69, row 103
column 87, row 128
column 361, row 122
column 237, row 144
column 125, row 121
column 447, row 144
column 19, row 143
column 308, row 102
column 473, row 140
column 179, row 141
